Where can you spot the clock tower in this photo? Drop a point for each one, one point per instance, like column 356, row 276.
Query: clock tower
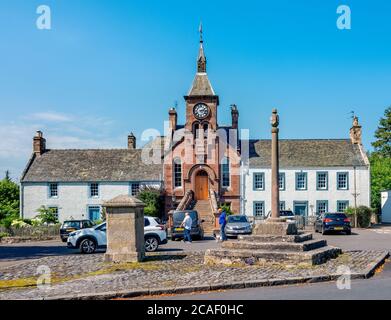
column 201, row 170
column 201, row 101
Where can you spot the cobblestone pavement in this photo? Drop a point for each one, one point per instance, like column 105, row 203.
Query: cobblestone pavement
column 82, row 274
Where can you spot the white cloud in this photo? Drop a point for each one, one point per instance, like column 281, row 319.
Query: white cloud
column 51, row 117
column 61, row 131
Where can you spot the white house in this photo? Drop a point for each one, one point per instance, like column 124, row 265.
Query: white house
column 386, row 206
column 316, row 176
column 75, row 183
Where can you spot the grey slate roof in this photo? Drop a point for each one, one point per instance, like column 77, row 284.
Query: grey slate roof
column 201, row 86
column 307, row 153
column 116, row 165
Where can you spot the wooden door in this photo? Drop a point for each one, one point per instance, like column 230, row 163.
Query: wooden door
column 201, row 187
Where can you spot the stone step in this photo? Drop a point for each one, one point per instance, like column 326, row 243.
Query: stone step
column 276, row 246
column 236, row 256
column 301, row 237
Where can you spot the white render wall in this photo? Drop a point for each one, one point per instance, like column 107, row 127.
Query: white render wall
column 73, row 198
column 386, row 206
column 290, row 194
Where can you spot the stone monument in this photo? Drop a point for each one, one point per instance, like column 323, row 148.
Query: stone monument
column 275, row 239
column 125, row 229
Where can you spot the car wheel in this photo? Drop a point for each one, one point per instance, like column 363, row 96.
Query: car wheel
column 323, row 231
column 349, row 232
column 88, row 246
column 151, row 244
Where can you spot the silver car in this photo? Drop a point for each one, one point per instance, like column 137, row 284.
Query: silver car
column 237, row 225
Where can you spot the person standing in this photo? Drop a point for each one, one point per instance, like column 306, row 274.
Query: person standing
column 222, row 222
column 186, row 223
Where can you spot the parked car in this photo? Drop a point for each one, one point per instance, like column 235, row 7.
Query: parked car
column 73, row 225
column 177, row 232
column 284, row 214
column 237, row 225
column 89, row 240
column 332, row 222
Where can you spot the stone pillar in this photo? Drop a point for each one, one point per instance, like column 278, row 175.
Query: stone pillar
column 125, row 229
column 275, row 200
column 275, row 225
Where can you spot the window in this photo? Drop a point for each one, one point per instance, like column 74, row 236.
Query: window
column 53, row 190
column 206, row 129
column 94, row 190
column 55, row 211
column 281, row 181
column 196, row 130
column 342, row 181
column 282, row 205
column 177, row 173
column 342, row 206
column 225, row 172
column 259, row 181
column 134, row 188
column 301, row 181
column 259, row 208
column 146, row 222
column 321, row 206
column 322, row 180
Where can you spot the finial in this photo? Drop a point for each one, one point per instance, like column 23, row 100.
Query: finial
column 200, row 30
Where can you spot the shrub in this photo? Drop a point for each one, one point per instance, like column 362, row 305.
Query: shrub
column 363, row 215
column 47, row 215
column 4, row 234
column 153, row 201
column 227, row 208
column 18, row 223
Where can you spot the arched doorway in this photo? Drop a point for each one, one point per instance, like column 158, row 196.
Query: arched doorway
column 201, row 185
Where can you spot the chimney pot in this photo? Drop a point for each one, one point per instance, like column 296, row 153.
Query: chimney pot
column 39, row 143
column 131, row 141
column 356, row 132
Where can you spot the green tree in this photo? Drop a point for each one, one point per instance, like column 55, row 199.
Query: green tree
column 9, row 200
column 383, row 135
column 153, row 200
column 47, row 215
column 380, row 178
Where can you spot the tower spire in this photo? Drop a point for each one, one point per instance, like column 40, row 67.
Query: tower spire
column 201, row 61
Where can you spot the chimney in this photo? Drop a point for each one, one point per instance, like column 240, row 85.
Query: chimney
column 235, row 116
column 172, row 117
column 39, row 143
column 356, row 132
column 131, row 141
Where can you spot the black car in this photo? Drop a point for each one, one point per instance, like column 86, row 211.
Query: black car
column 178, row 232
column 73, row 225
column 333, row 222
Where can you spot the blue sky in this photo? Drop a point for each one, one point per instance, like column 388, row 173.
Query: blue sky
column 110, row 67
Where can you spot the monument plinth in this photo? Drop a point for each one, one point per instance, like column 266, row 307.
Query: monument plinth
column 276, row 239
column 125, row 229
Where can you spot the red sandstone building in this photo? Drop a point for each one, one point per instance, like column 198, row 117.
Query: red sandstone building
column 202, row 165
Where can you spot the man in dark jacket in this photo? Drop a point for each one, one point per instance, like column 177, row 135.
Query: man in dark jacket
column 222, row 222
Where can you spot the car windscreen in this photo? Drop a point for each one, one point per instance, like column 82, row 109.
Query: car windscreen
column 71, row 224
column 335, row 216
column 234, row 219
column 286, row 213
column 180, row 215
column 101, row 227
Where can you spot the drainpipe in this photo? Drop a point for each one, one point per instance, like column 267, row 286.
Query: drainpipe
column 21, row 204
column 355, row 197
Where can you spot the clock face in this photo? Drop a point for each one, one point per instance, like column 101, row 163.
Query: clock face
column 201, row 111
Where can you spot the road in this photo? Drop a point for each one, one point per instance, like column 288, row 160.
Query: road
column 378, row 287
column 11, row 254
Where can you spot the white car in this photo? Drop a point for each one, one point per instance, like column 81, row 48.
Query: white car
column 91, row 239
